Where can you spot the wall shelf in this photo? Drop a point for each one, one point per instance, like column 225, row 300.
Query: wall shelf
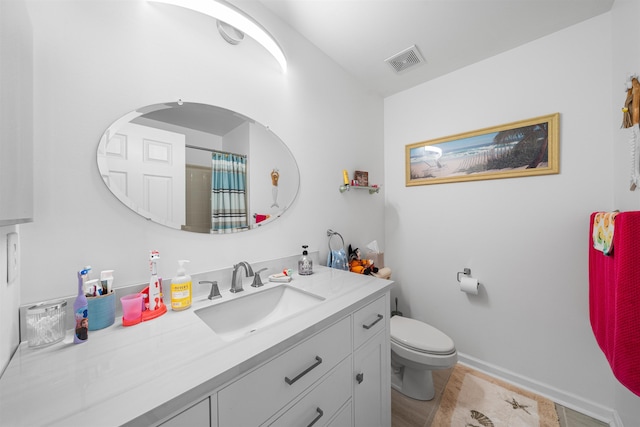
column 346, row 187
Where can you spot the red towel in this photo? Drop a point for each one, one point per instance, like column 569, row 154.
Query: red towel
column 614, row 299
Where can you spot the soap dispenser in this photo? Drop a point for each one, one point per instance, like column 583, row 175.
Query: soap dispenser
column 181, row 288
column 305, row 264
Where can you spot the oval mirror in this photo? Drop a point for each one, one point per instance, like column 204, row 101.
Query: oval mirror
column 197, row 167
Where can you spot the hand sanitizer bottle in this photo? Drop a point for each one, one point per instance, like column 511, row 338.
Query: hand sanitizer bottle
column 305, row 264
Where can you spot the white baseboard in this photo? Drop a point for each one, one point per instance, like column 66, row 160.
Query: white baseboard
column 568, row 400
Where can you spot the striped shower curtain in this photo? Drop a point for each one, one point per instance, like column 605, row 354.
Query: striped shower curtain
column 228, row 193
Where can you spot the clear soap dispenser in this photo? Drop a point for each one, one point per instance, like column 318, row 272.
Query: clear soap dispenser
column 305, row 264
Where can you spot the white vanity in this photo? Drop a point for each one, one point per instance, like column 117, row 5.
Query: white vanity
column 325, row 366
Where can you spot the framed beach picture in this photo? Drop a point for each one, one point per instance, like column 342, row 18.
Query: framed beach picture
column 523, row 148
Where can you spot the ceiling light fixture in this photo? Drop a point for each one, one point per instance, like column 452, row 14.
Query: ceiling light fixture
column 234, row 17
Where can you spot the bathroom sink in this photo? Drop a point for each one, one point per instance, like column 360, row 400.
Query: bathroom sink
column 243, row 315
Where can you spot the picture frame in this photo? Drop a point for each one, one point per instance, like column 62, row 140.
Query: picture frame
column 523, row 148
column 362, row 178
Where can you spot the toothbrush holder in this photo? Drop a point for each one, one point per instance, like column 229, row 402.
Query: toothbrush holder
column 102, row 311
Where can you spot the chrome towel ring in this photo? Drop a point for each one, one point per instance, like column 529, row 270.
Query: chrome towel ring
column 332, row 238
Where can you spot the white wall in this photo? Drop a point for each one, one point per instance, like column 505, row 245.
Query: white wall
column 96, row 60
column 626, row 60
column 525, row 239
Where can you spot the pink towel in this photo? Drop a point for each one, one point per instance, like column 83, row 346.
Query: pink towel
column 614, row 299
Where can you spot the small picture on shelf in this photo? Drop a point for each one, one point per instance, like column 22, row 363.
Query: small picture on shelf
column 361, row 178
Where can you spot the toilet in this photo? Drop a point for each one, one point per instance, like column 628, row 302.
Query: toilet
column 417, row 349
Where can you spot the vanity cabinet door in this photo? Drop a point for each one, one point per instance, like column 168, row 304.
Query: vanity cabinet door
column 257, row 396
column 199, row 415
column 371, row 383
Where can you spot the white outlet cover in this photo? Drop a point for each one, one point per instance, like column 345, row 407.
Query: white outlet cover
column 13, row 261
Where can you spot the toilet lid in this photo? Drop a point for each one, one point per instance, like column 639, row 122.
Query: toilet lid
column 420, row 336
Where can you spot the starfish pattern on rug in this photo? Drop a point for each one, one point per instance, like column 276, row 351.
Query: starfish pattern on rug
column 481, row 418
column 514, row 403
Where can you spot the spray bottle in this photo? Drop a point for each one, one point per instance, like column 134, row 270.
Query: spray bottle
column 181, row 288
column 154, row 282
column 81, row 310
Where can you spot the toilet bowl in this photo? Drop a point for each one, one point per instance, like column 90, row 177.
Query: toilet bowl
column 417, row 349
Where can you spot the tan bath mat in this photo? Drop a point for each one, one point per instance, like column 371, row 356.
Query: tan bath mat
column 472, row 398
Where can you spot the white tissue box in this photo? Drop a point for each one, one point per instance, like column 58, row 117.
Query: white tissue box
column 377, row 258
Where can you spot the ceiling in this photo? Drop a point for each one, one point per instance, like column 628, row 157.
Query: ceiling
column 201, row 117
column 449, row 34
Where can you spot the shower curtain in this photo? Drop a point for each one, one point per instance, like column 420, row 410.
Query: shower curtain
column 228, row 193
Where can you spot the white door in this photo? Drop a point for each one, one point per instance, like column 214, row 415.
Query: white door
column 147, row 165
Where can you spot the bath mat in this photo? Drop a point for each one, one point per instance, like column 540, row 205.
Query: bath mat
column 472, row 398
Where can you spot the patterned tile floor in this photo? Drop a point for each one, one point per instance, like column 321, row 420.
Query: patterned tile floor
column 406, row 412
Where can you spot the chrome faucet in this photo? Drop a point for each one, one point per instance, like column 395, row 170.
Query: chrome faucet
column 236, row 279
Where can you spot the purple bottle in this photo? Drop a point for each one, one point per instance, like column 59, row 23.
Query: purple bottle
column 81, row 310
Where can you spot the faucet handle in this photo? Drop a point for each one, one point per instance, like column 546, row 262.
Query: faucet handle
column 257, row 281
column 214, row 293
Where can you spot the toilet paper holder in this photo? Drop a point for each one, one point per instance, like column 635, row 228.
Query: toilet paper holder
column 466, row 272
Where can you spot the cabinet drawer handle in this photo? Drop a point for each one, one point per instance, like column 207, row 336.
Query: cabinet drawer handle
column 315, row 420
column 360, row 378
column 380, row 317
column 303, row 373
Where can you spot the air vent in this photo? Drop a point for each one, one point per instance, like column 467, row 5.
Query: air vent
column 406, row 59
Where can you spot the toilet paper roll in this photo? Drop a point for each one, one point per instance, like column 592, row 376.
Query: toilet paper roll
column 469, row 285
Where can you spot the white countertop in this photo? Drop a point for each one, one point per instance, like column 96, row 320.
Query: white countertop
column 126, row 375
